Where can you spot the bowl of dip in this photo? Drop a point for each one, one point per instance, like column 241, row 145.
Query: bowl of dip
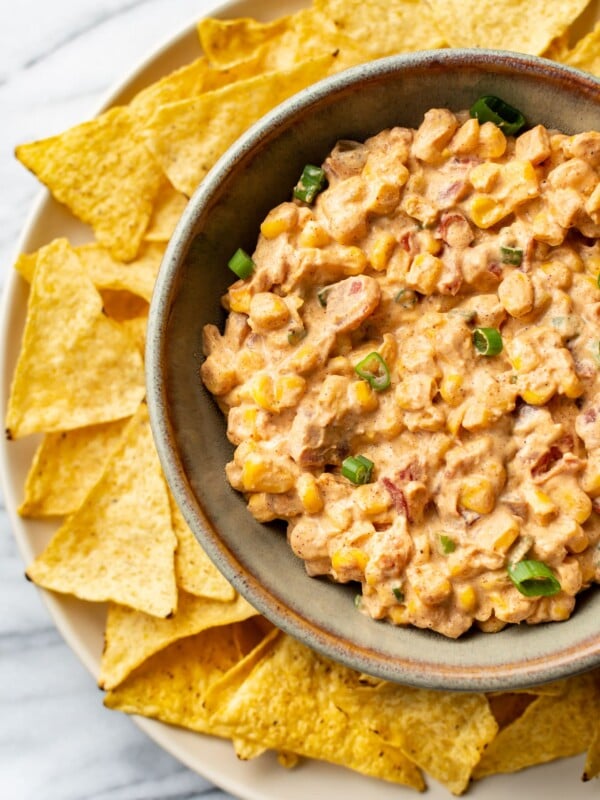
column 380, row 420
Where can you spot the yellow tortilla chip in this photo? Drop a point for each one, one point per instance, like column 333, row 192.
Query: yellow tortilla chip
column 586, row 53
column 591, row 768
column 301, row 714
column 25, row 265
column 196, row 573
column 172, row 684
column 135, row 328
column 551, row 727
column 444, row 733
column 119, row 546
column 381, row 28
column 168, row 208
column 132, row 637
column 227, row 41
column 66, row 466
column 76, row 367
column 104, row 173
column 526, row 26
column 188, row 137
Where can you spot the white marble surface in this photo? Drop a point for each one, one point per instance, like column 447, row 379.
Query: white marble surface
column 57, row 741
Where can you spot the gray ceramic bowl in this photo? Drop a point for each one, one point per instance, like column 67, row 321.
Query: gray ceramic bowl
column 225, row 213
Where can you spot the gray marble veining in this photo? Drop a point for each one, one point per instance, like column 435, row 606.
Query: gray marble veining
column 57, row 741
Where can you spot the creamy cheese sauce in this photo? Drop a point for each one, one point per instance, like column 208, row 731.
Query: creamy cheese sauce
column 480, row 461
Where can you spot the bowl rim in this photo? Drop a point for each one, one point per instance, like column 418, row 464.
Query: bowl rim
column 513, row 674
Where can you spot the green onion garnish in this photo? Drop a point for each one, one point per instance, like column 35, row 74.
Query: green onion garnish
column 511, row 255
column 406, row 298
column 357, row 469
column 492, row 109
column 487, row 341
column 374, row 370
column 357, row 600
column 398, row 594
column 241, row 263
column 322, row 296
column 312, row 181
column 533, row 579
column 447, row 544
column 296, row 335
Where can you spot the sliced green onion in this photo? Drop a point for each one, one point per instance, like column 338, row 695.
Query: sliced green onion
column 296, row 335
column 398, row 594
column 357, row 469
column 406, row 298
column 312, row 181
column 241, row 263
column 374, row 370
column 487, row 341
column 533, row 579
column 511, row 255
column 492, row 109
column 447, row 544
column 358, row 600
column 322, row 296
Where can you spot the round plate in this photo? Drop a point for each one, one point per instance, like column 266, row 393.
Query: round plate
column 82, row 624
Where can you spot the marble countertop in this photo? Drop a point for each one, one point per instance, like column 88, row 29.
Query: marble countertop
column 57, row 741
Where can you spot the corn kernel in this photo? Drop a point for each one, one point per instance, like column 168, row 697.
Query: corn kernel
column 427, row 242
column 258, row 475
column 355, row 261
column 372, row 499
column 398, row 615
column 571, row 386
column 349, row 558
column 515, row 293
column 572, row 500
column 561, row 608
column 485, row 211
column 506, row 538
column 248, row 362
column 381, row 251
column 466, row 599
column 309, row 493
column 279, row 220
column 262, row 391
column 578, row 541
column 477, row 494
column 492, row 142
column 424, row 273
column 364, row 396
column 451, row 389
column 305, row 358
column 538, row 397
column 454, row 420
column 313, row 235
column 542, row 507
column 484, row 176
column 239, row 298
column 268, row 311
column 287, row 390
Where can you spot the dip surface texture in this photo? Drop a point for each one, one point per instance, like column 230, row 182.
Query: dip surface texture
column 435, row 314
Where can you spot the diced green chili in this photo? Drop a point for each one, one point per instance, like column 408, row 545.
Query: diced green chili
column 241, row 263
column 492, row 109
column 511, row 255
column 312, row 181
column 374, row 370
column 322, row 296
column 357, row 469
column 407, row 298
column 487, row 341
column 296, row 335
column 398, row 594
column 447, row 544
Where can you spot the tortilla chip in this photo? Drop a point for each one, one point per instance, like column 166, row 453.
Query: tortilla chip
column 444, row 733
column 227, row 41
column 132, row 637
column 104, row 173
column 591, row 768
column 551, row 727
column 168, row 208
column 301, row 715
column 66, row 466
column 509, row 706
column 75, row 368
column 196, row 573
column 409, row 25
column 119, row 546
column 586, row 53
column 526, row 26
column 172, row 684
column 136, row 327
column 188, row 137
column 25, row 265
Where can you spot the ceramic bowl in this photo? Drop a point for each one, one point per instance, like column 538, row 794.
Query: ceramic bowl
column 225, row 213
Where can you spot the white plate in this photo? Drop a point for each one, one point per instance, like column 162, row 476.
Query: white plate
column 82, row 624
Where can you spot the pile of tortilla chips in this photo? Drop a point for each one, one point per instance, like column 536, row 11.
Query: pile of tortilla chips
column 180, row 644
